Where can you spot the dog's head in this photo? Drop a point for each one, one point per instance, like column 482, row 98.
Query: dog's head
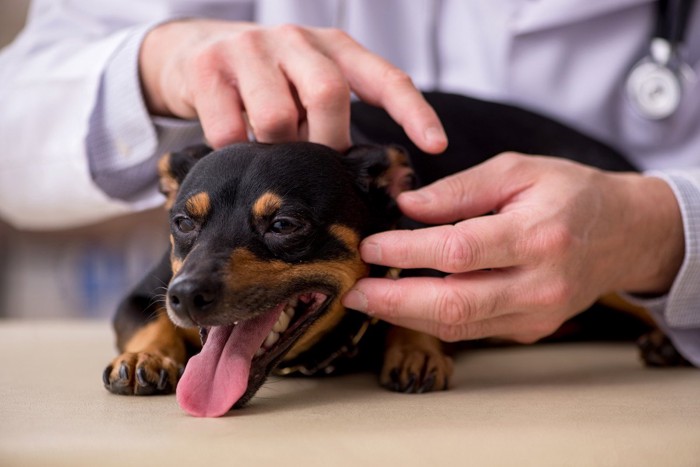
column 264, row 244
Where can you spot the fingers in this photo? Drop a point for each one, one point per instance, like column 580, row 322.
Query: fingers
column 515, row 327
column 291, row 83
column 452, row 300
column 379, row 83
column 322, row 90
column 484, row 188
column 270, row 107
column 220, row 113
column 457, row 307
column 480, row 243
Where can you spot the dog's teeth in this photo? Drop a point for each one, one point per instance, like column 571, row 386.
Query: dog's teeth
column 282, row 323
column 289, row 311
column 271, row 339
column 260, row 352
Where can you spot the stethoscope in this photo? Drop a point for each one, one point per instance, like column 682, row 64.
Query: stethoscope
column 655, row 84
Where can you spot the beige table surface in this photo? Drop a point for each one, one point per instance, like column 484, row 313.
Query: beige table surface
column 575, row 404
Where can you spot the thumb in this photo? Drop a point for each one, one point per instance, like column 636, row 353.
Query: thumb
column 473, row 192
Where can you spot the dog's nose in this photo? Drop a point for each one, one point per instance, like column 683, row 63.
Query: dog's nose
column 190, row 298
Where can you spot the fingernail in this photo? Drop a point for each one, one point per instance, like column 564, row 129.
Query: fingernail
column 371, row 252
column 435, row 136
column 414, row 197
column 355, row 300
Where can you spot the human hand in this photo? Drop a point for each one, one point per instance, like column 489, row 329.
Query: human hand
column 287, row 83
column 562, row 235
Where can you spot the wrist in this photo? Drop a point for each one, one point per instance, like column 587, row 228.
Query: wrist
column 655, row 231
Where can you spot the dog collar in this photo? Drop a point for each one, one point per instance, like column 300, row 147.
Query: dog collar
column 341, row 344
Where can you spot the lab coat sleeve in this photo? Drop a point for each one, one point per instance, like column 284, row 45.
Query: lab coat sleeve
column 678, row 312
column 124, row 142
column 50, row 82
column 78, row 144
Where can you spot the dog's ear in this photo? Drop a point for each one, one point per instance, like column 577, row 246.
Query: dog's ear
column 384, row 169
column 381, row 173
column 173, row 168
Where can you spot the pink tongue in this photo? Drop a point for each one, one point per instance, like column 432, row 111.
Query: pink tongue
column 217, row 377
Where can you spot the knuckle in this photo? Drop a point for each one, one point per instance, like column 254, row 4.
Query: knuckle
column 392, row 302
column 338, row 34
column 512, row 164
column 335, row 36
column 556, row 294
column 205, row 60
column 559, row 239
column 452, row 308
column 292, row 31
column 510, row 159
column 248, row 41
column 328, row 91
column 296, row 36
column 270, row 122
column 396, row 77
column 457, row 252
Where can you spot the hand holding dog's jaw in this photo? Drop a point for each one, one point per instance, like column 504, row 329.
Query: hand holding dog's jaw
column 292, row 83
column 562, row 235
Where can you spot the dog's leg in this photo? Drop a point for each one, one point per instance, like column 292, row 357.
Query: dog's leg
column 657, row 350
column 153, row 350
column 414, row 362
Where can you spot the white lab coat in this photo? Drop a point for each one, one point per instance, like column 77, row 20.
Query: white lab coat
column 71, row 116
column 564, row 58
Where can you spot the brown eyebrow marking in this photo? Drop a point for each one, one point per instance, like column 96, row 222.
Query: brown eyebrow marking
column 345, row 234
column 266, row 205
column 167, row 184
column 198, row 205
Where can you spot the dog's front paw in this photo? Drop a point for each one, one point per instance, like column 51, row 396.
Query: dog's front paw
column 142, row 374
column 414, row 363
column 657, row 350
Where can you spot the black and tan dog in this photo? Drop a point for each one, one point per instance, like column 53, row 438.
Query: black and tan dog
column 264, row 244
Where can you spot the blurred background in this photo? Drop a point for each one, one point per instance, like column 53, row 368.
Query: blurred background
column 73, row 273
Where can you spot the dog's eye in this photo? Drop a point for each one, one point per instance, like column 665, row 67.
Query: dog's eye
column 185, row 224
column 284, row 226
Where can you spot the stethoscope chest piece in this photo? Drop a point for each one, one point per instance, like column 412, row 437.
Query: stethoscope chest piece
column 655, row 84
column 654, row 90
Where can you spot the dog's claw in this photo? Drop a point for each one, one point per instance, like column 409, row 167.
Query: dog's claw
column 394, row 383
column 124, row 371
column 106, row 374
column 142, row 374
column 163, row 381
column 409, row 387
column 415, row 370
column 428, row 384
column 141, row 377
